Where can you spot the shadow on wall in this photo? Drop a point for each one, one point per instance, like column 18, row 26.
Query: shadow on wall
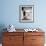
column 2, row 26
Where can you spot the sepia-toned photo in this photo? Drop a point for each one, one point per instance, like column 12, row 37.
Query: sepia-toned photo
column 26, row 13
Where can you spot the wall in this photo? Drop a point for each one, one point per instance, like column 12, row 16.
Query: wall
column 9, row 13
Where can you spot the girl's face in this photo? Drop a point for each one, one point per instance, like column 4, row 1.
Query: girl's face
column 28, row 14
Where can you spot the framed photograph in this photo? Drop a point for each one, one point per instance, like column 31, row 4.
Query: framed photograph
column 26, row 13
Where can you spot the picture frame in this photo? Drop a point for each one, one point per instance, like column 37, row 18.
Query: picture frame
column 26, row 13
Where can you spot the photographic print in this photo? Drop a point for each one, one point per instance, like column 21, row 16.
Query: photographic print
column 26, row 13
